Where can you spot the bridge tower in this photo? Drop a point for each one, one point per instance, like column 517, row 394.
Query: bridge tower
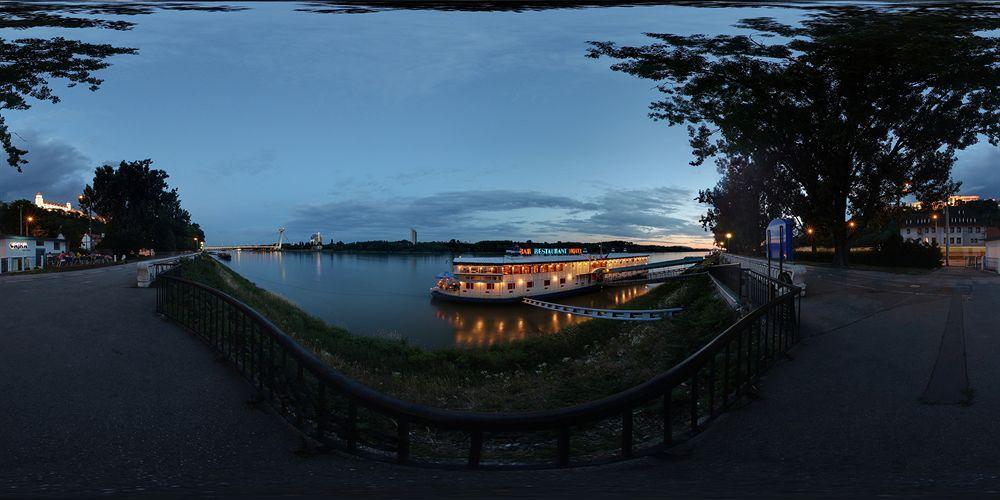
column 281, row 239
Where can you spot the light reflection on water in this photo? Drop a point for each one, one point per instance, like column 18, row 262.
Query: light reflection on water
column 386, row 295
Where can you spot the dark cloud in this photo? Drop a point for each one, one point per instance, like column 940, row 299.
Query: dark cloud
column 55, row 168
column 501, row 214
column 979, row 172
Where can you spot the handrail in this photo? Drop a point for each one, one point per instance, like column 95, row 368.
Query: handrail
column 229, row 325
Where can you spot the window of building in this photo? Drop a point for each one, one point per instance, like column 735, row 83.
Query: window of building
column 55, row 245
column 510, row 286
column 40, row 243
column 959, row 240
column 548, row 282
column 531, row 284
column 907, row 230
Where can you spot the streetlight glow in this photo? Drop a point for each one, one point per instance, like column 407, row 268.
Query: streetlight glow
column 729, row 236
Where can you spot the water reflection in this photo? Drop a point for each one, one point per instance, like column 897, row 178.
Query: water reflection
column 479, row 325
column 386, row 295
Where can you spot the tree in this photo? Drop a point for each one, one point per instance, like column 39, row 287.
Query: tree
column 139, row 209
column 30, row 63
column 855, row 108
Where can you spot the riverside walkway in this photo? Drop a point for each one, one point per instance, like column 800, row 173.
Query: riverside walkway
column 101, row 396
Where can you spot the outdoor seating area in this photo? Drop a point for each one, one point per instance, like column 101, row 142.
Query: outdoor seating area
column 75, row 259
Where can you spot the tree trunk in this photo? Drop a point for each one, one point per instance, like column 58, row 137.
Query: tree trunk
column 841, row 247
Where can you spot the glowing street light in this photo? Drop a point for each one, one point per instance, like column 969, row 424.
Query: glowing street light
column 852, row 224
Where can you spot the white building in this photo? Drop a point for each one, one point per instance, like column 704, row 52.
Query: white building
column 991, row 260
column 413, row 236
column 959, row 228
column 23, row 253
column 41, row 203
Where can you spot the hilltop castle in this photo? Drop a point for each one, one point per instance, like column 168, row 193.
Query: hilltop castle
column 41, row 203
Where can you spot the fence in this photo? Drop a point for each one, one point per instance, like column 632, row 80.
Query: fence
column 338, row 412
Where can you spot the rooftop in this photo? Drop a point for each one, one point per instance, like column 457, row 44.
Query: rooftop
column 541, row 259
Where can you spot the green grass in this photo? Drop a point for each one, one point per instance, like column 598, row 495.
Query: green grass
column 580, row 363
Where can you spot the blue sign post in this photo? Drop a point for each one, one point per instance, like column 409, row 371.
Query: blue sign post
column 779, row 242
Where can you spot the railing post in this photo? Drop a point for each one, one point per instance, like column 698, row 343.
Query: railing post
column 403, row 440
column 694, row 401
column 668, row 417
column 475, row 449
column 627, row 417
column 562, row 447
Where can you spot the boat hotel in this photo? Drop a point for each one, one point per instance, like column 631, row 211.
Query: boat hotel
column 530, row 272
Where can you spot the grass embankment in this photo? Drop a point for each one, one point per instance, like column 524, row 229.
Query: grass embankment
column 583, row 362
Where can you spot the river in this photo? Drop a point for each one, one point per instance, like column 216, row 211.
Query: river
column 386, row 295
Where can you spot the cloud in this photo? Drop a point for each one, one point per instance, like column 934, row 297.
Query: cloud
column 647, row 214
column 55, row 168
column 979, row 171
column 262, row 161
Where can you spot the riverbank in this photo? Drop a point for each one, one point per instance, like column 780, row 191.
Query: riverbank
column 579, row 363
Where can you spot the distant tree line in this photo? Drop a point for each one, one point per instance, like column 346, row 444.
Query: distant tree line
column 485, row 246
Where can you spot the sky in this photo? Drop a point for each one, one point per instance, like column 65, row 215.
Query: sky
column 360, row 126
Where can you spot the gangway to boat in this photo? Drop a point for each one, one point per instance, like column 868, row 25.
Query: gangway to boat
column 616, row 314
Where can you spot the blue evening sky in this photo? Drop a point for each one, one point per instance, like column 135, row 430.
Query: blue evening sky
column 461, row 125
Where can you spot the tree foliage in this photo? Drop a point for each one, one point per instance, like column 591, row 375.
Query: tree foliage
column 140, row 209
column 844, row 114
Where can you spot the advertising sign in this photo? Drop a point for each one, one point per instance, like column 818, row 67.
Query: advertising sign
column 551, row 251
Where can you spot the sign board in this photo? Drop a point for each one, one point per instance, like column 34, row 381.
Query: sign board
column 551, row 251
column 779, row 239
column 18, row 245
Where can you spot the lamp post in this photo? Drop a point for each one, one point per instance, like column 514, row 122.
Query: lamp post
column 812, row 240
column 934, row 217
column 27, row 222
column 729, row 236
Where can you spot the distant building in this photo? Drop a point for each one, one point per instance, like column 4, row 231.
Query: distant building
column 413, row 236
column 961, row 227
column 24, row 253
column 952, row 200
column 991, row 260
column 316, row 241
column 90, row 241
column 41, row 203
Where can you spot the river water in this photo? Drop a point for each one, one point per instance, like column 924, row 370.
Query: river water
column 386, row 295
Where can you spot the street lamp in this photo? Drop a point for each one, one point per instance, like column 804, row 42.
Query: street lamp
column 27, row 221
column 812, row 241
column 729, row 236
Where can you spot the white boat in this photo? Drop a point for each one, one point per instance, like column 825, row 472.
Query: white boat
column 537, row 273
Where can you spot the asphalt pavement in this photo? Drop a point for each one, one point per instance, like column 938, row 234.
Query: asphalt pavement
column 892, row 391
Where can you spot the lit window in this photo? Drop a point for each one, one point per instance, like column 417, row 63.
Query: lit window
column 489, row 286
column 468, row 285
column 510, row 286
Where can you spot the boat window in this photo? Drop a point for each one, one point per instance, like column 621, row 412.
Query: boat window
column 531, row 284
column 548, row 282
column 510, row 286
column 534, row 269
column 562, row 281
column 507, row 270
column 468, row 285
column 489, row 286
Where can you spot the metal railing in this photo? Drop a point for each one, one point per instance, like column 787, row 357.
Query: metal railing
column 341, row 413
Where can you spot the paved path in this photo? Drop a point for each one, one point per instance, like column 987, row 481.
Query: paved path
column 113, row 400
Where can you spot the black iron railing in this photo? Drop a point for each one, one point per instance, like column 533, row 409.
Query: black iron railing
column 340, row 413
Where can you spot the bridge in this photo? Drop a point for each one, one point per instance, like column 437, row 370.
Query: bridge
column 616, row 314
column 253, row 248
